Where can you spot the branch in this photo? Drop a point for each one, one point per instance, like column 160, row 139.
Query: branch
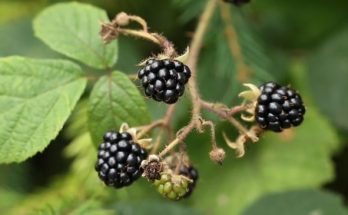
column 111, row 31
column 228, row 115
column 195, row 49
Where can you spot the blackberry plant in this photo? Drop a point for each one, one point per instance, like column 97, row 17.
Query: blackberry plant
column 156, row 151
column 115, row 100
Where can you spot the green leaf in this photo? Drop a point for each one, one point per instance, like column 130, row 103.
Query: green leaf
column 218, row 68
column 150, row 207
column 281, row 19
column 299, row 202
column 113, row 101
column 328, row 78
column 73, row 30
column 299, row 159
column 36, row 98
column 90, row 207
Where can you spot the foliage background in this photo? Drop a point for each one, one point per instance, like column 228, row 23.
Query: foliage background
column 303, row 172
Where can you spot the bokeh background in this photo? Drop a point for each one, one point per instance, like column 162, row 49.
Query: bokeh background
column 303, row 171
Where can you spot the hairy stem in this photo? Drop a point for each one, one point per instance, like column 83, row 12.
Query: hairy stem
column 195, row 49
column 169, row 147
column 147, row 128
column 227, row 115
column 112, row 30
column 140, row 34
column 212, row 133
column 196, row 45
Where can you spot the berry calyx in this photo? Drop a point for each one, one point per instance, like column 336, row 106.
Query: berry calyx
column 191, row 173
column 172, row 186
column 278, row 107
column 164, row 80
column 119, row 159
column 153, row 167
column 237, row 2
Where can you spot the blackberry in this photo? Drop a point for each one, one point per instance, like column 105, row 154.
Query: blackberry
column 278, row 107
column 191, row 173
column 119, row 159
column 164, row 80
column 237, row 2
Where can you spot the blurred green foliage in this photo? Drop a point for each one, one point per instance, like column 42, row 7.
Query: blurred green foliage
column 296, row 42
column 306, row 201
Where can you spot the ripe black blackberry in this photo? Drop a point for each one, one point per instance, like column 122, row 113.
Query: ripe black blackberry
column 119, row 159
column 191, row 173
column 237, row 2
column 278, row 107
column 164, row 80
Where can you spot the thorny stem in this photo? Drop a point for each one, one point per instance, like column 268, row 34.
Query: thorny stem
column 139, row 20
column 195, row 48
column 228, row 115
column 140, row 34
column 169, row 147
column 147, row 128
column 111, row 31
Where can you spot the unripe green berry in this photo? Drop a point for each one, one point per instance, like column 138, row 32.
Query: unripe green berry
column 173, row 187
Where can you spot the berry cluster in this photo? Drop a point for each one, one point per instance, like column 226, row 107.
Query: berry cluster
column 278, row 107
column 119, row 159
column 192, row 174
column 173, row 187
column 237, row 2
column 164, row 80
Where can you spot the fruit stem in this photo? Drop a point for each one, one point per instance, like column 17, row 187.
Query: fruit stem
column 195, row 48
column 169, row 147
column 212, row 133
column 228, row 115
column 164, row 123
column 112, row 30
column 139, row 20
column 139, row 33
column 147, row 128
